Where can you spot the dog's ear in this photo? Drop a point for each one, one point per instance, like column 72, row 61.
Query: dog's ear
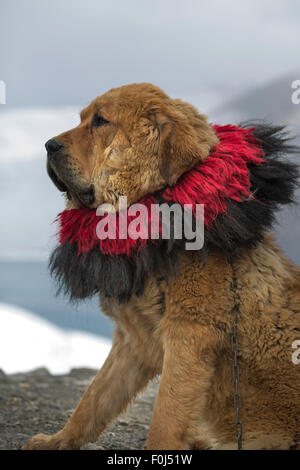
column 185, row 137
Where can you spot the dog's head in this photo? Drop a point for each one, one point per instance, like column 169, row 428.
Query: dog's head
column 131, row 141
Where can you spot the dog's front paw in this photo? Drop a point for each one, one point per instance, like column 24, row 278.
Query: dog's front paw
column 54, row 442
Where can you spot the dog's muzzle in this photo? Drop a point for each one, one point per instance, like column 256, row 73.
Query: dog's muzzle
column 61, row 179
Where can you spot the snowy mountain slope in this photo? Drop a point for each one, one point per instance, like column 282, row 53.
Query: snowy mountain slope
column 28, row 342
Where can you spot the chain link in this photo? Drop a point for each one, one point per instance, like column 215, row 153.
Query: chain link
column 237, row 401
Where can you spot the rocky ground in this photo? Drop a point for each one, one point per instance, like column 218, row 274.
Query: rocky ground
column 40, row 402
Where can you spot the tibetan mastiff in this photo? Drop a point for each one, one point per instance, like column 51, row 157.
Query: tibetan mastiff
column 219, row 325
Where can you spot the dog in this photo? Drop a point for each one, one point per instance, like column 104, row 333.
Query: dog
column 196, row 322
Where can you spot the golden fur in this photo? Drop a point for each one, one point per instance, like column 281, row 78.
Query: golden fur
column 180, row 326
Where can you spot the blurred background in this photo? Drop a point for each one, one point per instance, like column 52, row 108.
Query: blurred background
column 232, row 60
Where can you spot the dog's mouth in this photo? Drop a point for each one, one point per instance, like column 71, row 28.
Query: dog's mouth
column 83, row 196
column 56, row 180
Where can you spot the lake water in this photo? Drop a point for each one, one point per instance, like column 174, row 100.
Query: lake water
column 28, row 284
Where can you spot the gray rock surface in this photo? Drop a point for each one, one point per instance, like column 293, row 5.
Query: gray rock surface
column 38, row 402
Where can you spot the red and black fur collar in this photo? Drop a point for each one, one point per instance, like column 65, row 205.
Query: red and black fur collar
column 241, row 184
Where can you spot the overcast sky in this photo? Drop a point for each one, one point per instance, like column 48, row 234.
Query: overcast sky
column 61, row 52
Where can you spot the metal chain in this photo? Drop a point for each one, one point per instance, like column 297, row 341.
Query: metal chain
column 237, row 401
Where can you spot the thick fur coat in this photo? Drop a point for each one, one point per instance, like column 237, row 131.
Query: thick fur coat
column 177, row 322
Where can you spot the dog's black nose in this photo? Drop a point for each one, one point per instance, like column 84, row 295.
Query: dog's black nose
column 53, row 146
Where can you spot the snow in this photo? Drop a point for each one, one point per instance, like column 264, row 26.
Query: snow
column 28, row 342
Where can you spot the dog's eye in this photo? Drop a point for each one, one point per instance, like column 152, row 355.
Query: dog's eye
column 98, row 121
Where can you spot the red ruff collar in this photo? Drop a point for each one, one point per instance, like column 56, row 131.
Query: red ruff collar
column 221, row 177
